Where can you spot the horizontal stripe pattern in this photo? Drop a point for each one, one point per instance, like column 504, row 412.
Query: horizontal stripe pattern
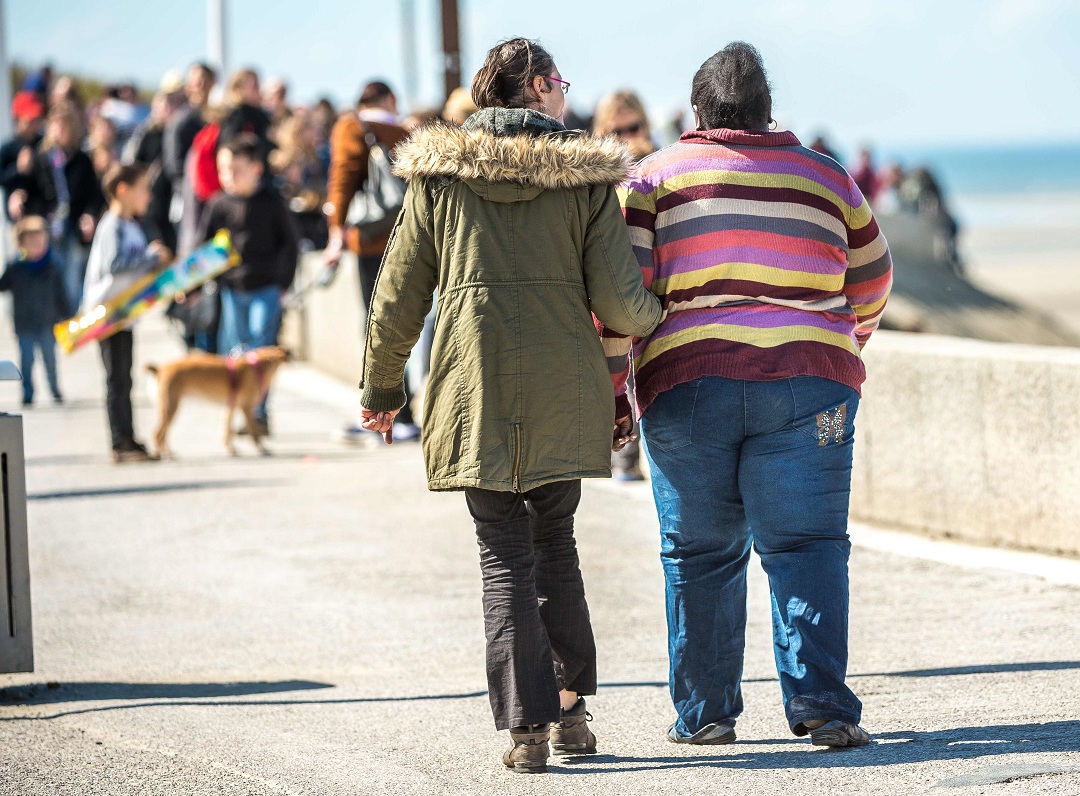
column 765, row 255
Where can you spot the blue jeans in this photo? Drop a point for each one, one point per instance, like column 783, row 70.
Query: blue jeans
column 42, row 339
column 250, row 319
column 735, row 462
column 72, row 255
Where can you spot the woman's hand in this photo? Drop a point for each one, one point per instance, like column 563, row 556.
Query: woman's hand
column 624, row 433
column 383, row 422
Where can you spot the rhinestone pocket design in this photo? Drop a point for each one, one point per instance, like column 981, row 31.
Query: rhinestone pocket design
column 831, row 425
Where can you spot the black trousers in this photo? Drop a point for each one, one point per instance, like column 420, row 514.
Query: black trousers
column 369, row 271
column 117, row 355
column 539, row 635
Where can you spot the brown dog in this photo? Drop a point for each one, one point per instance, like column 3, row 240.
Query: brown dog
column 236, row 381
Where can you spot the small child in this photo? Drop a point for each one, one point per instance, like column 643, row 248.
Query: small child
column 264, row 236
column 40, row 302
column 119, row 257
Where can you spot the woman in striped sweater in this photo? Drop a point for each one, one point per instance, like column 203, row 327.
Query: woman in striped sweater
column 773, row 274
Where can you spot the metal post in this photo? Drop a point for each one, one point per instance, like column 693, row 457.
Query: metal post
column 451, row 44
column 215, row 36
column 408, row 50
column 16, row 631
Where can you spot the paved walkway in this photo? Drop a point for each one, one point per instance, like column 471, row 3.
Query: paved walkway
column 309, row 623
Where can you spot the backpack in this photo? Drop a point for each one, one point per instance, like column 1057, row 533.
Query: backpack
column 202, row 162
column 375, row 208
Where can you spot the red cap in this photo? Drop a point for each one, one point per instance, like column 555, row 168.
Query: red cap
column 27, row 105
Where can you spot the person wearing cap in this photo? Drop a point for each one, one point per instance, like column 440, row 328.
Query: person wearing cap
column 40, row 301
column 17, row 155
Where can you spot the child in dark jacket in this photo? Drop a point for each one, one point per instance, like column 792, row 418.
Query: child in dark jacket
column 40, row 302
column 265, row 238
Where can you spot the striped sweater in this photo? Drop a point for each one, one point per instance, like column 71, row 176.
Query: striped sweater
column 765, row 256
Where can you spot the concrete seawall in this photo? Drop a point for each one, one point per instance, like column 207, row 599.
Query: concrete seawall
column 969, row 439
column 955, row 437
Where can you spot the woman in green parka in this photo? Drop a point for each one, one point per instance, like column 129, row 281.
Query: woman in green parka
column 516, row 222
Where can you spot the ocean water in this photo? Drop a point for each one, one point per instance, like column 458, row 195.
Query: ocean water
column 1029, row 169
column 1021, row 186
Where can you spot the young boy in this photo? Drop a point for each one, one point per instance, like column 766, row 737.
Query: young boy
column 119, row 257
column 264, row 236
column 40, row 302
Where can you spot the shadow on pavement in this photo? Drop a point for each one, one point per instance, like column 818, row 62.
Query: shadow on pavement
column 950, row 671
column 180, row 694
column 888, row 748
column 52, row 693
column 138, row 489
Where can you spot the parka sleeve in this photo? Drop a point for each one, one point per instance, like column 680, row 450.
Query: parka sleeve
column 402, row 299
column 617, row 295
column 622, row 306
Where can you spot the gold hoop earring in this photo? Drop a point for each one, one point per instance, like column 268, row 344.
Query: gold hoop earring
column 772, row 124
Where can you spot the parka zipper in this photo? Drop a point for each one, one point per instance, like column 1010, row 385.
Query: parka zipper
column 517, row 456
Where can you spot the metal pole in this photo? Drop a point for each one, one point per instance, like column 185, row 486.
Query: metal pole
column 451, row 46
column 215, row 36
column 408, row 50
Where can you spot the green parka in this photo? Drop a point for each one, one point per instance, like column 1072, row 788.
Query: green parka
column 515, row 221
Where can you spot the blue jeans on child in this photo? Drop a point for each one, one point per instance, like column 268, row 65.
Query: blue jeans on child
column 250, row 319
column 735, row 462
column 44, row 341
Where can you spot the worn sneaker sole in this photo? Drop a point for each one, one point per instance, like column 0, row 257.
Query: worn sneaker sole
column 711, row 735
column 836, row 738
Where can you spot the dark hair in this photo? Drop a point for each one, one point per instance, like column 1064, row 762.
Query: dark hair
column 504, row 79
column 121, row 174
column 375, row 91
column 206, row 69
column 731, row 90
column 245, row 145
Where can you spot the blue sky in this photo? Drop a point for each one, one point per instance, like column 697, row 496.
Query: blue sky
column 911, row 73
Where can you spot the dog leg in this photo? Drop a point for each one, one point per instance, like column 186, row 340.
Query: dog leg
column 168, row 403
column 253, row 430
column 229, row 432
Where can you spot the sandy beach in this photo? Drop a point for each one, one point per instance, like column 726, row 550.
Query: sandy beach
column 1025, row 248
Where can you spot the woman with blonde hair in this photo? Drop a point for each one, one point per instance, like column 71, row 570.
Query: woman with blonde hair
column 65, row 190
column 243, row 112
column 623, row 115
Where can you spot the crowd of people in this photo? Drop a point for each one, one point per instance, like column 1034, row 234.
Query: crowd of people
column 313, row 159
column 739, row 271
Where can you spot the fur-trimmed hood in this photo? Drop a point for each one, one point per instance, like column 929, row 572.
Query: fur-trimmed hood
column 512, row 145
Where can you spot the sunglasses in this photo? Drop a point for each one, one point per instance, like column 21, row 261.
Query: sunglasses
column 631, row 129
column 564, row 85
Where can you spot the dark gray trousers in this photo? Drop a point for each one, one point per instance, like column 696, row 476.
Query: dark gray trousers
column 539, row 635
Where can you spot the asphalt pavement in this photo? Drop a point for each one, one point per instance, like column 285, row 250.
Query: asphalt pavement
column 310, row 623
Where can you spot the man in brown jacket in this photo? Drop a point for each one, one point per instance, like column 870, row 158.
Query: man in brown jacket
column 377, row 110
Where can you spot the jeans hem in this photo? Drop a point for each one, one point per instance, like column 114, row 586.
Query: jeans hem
column 796, row 720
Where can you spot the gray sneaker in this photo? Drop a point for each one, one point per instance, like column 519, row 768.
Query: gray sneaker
column 571, row 735
column 709, row 735
column 836, row 734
